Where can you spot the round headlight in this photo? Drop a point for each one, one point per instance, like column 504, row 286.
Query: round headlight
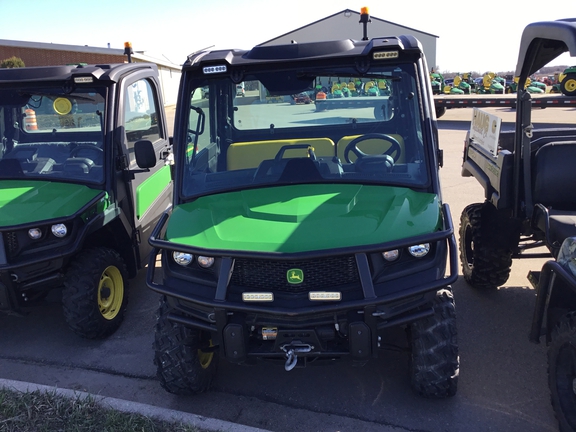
column 182, row 258
column 391, row 255
column 59, row 230
column 420, row 250
column 34, row 233
column 205, row 262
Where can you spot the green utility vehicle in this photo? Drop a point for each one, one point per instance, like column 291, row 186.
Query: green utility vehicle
column 301, row 235
column 530, row 202
column 76, row 206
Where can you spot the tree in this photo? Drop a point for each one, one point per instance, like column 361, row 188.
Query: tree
column 12, row 62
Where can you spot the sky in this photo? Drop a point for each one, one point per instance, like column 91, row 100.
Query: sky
column 473, row 36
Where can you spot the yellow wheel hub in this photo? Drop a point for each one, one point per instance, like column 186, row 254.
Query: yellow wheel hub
column 570, row 85
column 205, row 358
column 110, row 292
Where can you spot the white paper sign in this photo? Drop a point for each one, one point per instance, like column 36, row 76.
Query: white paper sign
column 485, row 130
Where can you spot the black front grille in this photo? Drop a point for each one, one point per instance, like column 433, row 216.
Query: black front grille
column 10, row 243
column 319, row 274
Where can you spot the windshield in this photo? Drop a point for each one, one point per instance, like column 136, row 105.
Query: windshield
column 305, row 126
column 52, row 135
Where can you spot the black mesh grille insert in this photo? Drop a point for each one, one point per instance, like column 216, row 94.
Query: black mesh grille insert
column 319, row 274
column 11, row 243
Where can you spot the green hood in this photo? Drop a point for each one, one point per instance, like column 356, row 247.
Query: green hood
column 26, row 201
column 301, row 218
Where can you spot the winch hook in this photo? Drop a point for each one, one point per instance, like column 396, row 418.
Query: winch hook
column 292, row 351
column 291, row 360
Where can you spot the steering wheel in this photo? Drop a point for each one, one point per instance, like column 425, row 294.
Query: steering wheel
column 76, row 150
column 394, row 151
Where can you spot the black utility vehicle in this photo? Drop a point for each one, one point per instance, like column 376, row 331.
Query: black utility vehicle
column 531, row 203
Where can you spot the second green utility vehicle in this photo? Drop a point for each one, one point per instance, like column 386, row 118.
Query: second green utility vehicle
column 76, row 204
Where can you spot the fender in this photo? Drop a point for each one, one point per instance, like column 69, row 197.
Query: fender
column 553, row 284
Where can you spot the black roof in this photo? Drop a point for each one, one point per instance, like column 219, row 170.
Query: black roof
column 542, row 42
column 108, row 72
column 304, row 51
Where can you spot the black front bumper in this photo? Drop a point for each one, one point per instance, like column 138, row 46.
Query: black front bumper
column 39, row 277
column 232, row 323
column 24, row 275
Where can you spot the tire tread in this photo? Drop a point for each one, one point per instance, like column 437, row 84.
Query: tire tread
column 176, row 356
column 564, row 333
column 491, row 263
column 435, row 364
column 79, row 301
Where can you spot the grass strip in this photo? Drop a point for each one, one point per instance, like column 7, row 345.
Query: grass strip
column 46, row 411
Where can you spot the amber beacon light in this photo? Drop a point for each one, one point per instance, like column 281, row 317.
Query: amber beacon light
column 365, row 19
column 128, row 51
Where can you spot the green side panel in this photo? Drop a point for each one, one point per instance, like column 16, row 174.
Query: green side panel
column 299, row 218
column 150, row 189
column 27, row 201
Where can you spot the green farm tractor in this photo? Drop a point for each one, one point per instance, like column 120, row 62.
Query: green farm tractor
column 566, row 82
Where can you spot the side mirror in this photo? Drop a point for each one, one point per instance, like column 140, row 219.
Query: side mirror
column 144, row 152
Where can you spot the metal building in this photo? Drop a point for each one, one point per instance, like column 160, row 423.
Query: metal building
column 346, row 25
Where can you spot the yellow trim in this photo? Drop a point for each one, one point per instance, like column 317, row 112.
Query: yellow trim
column 242, row 155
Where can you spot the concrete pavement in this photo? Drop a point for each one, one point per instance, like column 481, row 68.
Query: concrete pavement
column 502, row 386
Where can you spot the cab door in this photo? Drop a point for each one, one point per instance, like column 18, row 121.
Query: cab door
column 142, row 117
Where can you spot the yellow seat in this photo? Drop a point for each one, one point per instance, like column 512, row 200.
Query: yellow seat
column 487, row 79
column 372, row 146
column 250, row 154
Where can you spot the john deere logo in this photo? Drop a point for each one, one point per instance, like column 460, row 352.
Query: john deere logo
column 295, row 276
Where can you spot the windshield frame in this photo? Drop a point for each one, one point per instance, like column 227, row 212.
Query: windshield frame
column 224, row 131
